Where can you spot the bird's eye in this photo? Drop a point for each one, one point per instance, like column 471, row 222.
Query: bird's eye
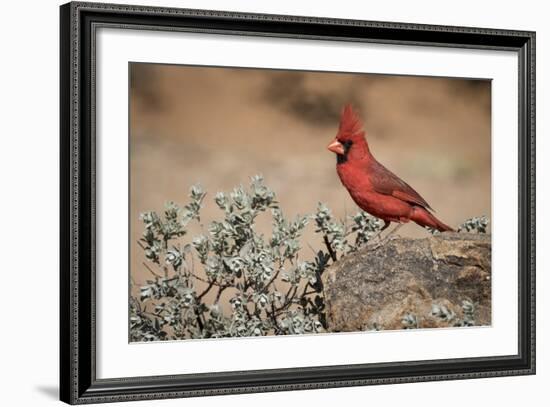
column 347, row 144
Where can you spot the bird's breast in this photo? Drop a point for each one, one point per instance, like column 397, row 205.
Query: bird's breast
column 354, row 178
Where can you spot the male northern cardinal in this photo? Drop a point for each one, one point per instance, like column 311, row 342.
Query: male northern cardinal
column 372, row 186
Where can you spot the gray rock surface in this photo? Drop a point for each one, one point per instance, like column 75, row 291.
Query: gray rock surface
column 377, row 287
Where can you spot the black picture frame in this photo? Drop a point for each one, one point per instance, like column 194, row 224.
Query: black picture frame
column 78, row 382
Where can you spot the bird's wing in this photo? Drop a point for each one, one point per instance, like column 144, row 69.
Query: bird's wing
column 386, row 182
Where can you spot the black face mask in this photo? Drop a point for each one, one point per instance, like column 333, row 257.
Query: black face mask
column 342, row 158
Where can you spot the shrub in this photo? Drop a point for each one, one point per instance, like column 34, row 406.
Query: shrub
column 272, row 290
column 269, row 287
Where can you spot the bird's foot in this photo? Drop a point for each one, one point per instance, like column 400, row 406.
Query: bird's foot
column 375, row 245
column 382, row 241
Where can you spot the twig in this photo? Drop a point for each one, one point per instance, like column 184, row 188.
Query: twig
column 329, row 248
column 293, row 295
column 199, row 320
column 274, row 319
column 152, row 313
column 220, row 290
column 151, row 270
column 271, row 281
column 197, row 277
column 288, row 299
column 210, row 285
column 305, row 289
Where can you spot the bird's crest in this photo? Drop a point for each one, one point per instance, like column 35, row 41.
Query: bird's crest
column 350, row 123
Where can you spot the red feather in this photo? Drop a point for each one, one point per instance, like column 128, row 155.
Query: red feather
column 386, row 182
column 350, row 123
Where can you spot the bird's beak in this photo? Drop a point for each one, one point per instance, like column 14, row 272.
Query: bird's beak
column 336, row 147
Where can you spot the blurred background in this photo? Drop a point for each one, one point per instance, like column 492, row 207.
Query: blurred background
column 219, row 126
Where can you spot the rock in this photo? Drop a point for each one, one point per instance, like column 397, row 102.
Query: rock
column 411, row 283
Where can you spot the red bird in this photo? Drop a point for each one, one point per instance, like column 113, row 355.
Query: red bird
column 372, row 186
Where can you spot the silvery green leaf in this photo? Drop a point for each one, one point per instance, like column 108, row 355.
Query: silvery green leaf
column 215, row 311
column 475, row 224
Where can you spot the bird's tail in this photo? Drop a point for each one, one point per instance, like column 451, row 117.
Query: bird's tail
column 424, row 218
